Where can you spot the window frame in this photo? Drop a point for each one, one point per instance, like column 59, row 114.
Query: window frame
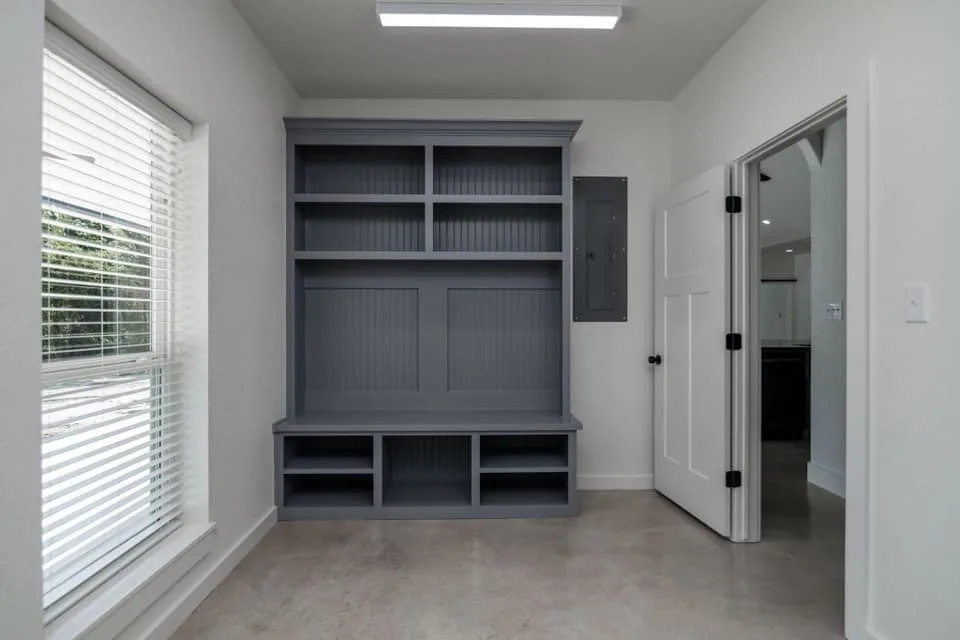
column 159, row 359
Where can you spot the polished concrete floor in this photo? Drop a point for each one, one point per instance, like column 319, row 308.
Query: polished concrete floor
column 631, row 567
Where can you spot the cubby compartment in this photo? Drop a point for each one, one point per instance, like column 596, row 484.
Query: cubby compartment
column 359, row 227
column 426, row 470
column 354, row 490
column 526, row 452
column 497, row 227
column 504, row 171
column 524, row 489
column 328, row 454
column 360, row 169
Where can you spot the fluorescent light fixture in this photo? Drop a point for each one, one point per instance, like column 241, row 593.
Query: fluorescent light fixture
column 789, row 250
column 765, row 221
column 539, row 14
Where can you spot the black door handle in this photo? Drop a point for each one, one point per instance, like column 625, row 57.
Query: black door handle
column 655, row 359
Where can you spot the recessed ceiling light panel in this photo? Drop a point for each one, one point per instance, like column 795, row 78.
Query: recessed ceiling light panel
column 500, row 15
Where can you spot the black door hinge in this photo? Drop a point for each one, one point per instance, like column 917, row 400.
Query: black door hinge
column 734, row 341
column 734, row 204
column 734, row 479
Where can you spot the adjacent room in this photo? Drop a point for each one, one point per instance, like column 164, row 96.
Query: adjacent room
column 801, row 296
column 443, row 319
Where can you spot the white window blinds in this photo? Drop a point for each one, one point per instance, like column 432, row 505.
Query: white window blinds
column 112, row 399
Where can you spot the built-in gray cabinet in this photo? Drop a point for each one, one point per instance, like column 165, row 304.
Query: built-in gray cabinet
column 429, row 310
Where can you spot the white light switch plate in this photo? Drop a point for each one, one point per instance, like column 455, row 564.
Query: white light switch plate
column 916, row 302
column 833, row 311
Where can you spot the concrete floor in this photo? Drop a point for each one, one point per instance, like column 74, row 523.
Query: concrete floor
column 631, row 567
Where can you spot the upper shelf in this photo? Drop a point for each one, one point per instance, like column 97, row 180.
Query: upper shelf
column 358, row 198
column 440, row 198
column 433, row 256
column 445, row 198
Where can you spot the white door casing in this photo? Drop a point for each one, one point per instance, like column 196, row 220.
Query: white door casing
column 691, row 399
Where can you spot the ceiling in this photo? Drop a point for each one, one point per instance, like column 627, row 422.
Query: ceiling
column 785, row 198
column 337, row 49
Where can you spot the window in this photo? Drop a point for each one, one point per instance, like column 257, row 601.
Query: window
column 112, row 479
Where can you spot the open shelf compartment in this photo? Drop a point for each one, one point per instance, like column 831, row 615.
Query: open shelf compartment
column 354, row 490
column 426, row 470
column 312, row 454
column 518, row 171
column 523, row 453
column 361, row 169
column 359, row 227
column 498, row 227
column 524, row 489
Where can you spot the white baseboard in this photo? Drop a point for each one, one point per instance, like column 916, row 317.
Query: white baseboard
column 201, row 586
column 867, row 634
column 615, row 482
column 827, row 479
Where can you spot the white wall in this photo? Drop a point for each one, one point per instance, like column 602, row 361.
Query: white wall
column 785, row 198
column 828, row 185
column 777, row 264
column 792, row 58
column 612, row 383
column 202, row 59
column 21, row 31
column 801, row 298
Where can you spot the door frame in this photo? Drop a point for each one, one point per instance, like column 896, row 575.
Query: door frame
column 744, row 317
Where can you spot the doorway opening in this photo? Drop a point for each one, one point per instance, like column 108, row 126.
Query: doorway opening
column 791, row 290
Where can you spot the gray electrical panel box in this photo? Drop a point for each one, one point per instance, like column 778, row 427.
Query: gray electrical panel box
column 600, row 249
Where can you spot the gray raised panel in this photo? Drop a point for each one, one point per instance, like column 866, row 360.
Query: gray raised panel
column 600, row 249
column 503, row 339
column 358, row 339
column 497, row 227
column 393, row 337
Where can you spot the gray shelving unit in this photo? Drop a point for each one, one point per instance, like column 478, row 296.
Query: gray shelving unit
column 429, row 311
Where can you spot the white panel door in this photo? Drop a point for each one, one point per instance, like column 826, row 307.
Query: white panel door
column 691, row 401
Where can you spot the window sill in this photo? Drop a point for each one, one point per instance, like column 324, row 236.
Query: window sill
column 108, row 611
